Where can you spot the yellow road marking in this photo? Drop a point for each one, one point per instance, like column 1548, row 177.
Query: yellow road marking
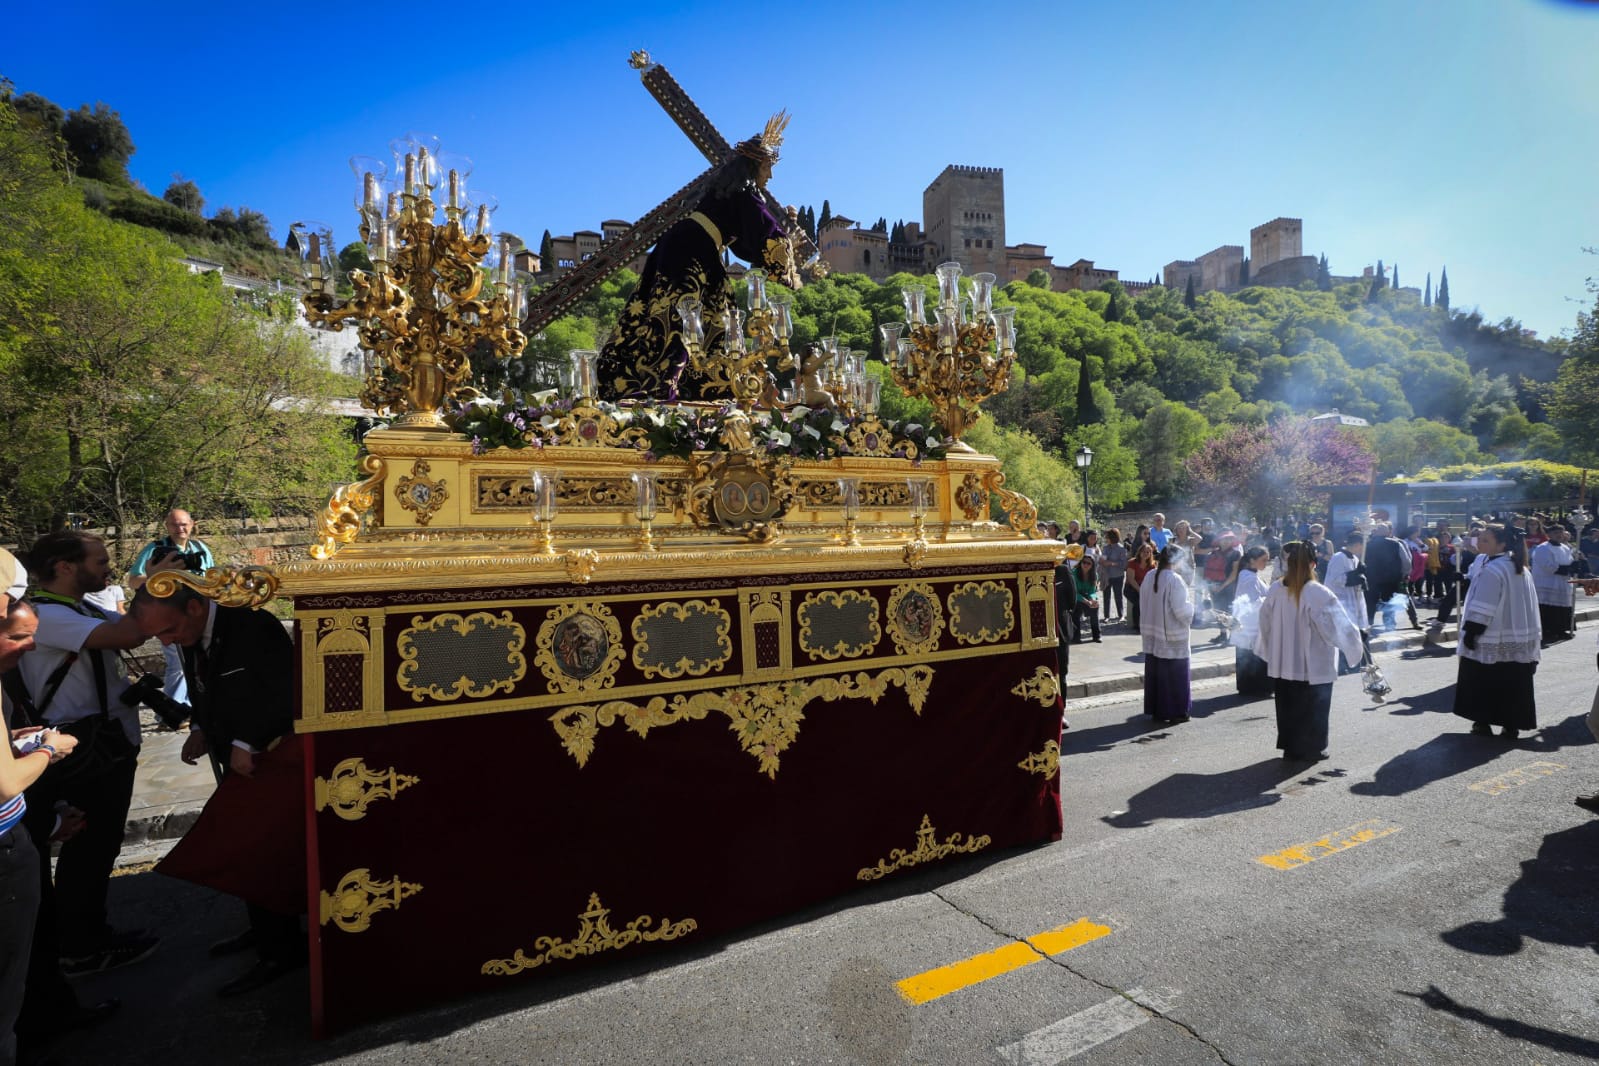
column 928, row 986
column 1493, row 786
column 1331, row 844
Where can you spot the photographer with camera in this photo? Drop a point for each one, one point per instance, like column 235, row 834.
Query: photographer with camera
column 75, row 682
column 240, row 665
column 178, row 550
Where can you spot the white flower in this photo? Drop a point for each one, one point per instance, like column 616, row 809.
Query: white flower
column 545, row 396
column 549, row 421
column 812, row 430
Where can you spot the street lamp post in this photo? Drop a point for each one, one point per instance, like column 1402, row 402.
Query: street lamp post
column 1085, row 459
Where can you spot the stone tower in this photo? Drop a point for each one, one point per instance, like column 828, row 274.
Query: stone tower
column 1271, row 242
column 964, row 212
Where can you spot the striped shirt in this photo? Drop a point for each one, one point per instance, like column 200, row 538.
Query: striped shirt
column 11, row 812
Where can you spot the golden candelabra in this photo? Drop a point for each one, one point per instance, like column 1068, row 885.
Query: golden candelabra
column 959, row 360
column 752, row 345
column 428, row 303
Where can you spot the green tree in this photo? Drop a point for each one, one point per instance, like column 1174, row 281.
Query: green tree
column 1031, row 469
column 1163, row 439
column 827, row 216
column 546, row 252
column 185, row 194
column 1038, row 278
column 1087, row 409
column 1442, row 299
column 40, row 114
column 1190, row 299
column 1323, row 275
column 1426, row 300
column 354, row 256
column 1243, row 273
column 1409, row 444
column 99, row 142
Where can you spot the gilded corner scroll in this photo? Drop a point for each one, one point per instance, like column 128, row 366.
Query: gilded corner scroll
column 358, row 897
column 353, row 786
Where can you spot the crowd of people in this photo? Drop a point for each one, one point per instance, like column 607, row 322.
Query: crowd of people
column 1301, row 612
column 72, row 709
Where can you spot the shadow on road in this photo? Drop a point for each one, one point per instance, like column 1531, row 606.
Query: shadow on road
column 1452, row 753
column 1511, row 1027
column 1440, row 699
column 1206, row 795
column 1105, row 737
column 1553, row 900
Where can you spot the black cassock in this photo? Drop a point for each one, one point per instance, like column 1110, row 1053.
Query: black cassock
column 645, row 357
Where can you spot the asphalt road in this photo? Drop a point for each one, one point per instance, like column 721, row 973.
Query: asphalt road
column 1427, row 897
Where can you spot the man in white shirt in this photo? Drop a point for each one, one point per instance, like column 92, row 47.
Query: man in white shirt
column 75, row 680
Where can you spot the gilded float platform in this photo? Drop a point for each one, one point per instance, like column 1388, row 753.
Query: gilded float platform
column 519, row 761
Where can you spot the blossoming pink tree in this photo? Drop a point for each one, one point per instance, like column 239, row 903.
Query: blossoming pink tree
column 1265, row 471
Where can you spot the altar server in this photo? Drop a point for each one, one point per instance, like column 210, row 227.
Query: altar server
column 1167, row 611
column 1346, row 577
column 1303, row 627
column 1499, row 639
column 1551, row 565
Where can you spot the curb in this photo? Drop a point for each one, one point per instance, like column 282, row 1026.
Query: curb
column 1109, row 684
column 162, row 823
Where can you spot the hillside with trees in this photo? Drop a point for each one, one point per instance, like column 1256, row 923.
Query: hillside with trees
column 132, row 385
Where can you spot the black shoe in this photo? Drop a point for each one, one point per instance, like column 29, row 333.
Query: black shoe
column 1509, row 734
column 1482, row 730
column 123, row 949
column 1588, row 803
column 82, row 1017
column 1096, row 640
column 263, row 973
column 233, row 944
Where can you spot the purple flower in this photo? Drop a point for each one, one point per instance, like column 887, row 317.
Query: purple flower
column 477, row 445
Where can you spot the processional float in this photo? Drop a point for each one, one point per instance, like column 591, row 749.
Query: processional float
column 657, row 671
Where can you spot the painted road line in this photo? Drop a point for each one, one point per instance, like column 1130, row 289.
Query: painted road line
column 932, row 984
column 1331, row 844
column 1085, row 1030
column 1522, row 775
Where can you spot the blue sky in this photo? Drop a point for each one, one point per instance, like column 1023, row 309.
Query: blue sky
column 1448, row 132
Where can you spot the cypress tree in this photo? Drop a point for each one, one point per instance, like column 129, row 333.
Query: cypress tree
column 1395, row 281
column 1382, row 275
column 546, row 252
column 1426, row 300
column 1443, row 291
column 1112, row 312
column 1323, row 275
column 1243, row 273
column 827, row 216
column 1087, row 410
column 1190, row 301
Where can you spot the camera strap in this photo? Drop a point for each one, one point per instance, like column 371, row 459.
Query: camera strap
column 96, row 660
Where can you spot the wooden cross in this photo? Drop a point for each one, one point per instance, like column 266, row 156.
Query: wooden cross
column 553, row 301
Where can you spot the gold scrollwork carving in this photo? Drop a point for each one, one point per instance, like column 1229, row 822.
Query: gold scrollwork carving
column 972, row 498
column 1046, row 762
column 708, row 655
column 418, row 492
column 914, row 552
column 353, row 786
column 1021, row 513
column 506, row 658
column 927, row 849
column 739, row 493
column 340, row 521
column 834, row 644
column 579, row 647
column 971, row 617
column 915, row 618
column 765, row 718
column 594, row 935
column 358, row 897
column 580, row 565
column 244, row 586
column 1042, row 687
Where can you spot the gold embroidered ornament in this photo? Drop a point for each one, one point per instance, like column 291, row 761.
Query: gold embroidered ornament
column 927, row 849
column 594, row 936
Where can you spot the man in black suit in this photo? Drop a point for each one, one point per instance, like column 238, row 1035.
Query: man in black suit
column 239, row 664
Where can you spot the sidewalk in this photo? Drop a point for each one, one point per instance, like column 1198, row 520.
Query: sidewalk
column 167, row 795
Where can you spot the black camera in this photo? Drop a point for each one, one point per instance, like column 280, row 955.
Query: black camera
column 191, row 560
column 148, row 691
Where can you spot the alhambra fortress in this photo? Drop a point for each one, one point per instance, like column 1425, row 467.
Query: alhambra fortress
column 963, row 218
